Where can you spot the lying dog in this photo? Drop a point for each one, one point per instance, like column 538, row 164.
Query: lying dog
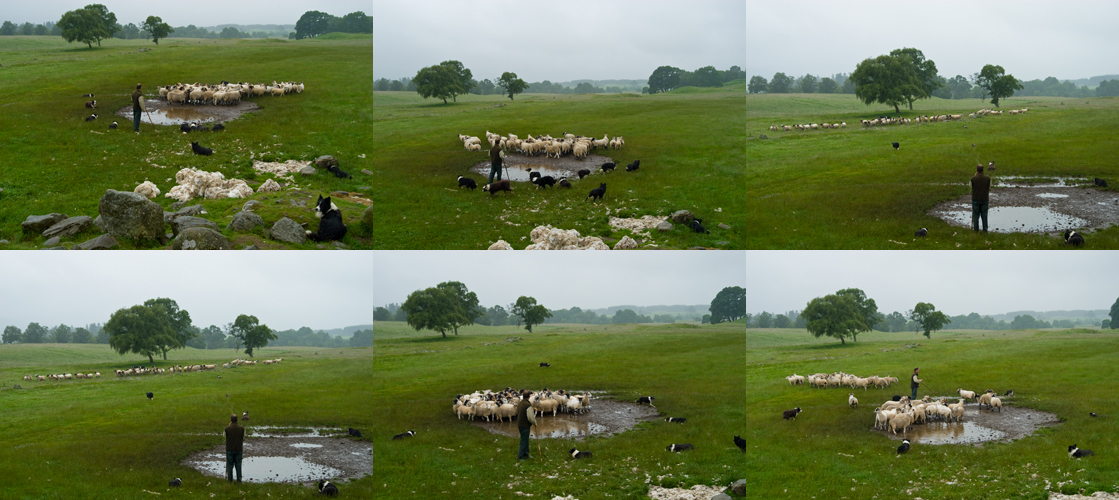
column 1075, row 452
column 354, row 432
column 326, row 488
column 338, row 172
column 578, row 454
column 678, row 420
column 405, row 434
column 676, row 448
column 331, row 226
column 199, row 150
column 1074, row 239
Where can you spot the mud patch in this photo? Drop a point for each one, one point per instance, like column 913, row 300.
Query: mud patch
column 606, row 418
column 165, row 113
column 980, row 426
column 1051, row 209
column 304, row 456
column 519, row 166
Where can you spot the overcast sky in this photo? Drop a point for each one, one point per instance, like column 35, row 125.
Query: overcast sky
column 628, row 39
column 185, row 13
column 325, row 290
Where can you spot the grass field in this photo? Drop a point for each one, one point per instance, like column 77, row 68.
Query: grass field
column 699, row 150
column 103, row 439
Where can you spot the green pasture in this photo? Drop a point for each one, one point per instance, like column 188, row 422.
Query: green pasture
column 103, row 439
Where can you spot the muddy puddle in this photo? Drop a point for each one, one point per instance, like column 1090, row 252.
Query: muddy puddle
column 164, row 113
column 979, row 426
column 605, row 418
column 520, row 166
column 278, row 455
column 1048, row 207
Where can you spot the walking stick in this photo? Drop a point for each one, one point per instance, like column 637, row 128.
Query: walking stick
column 926, row 386
column 538, row 452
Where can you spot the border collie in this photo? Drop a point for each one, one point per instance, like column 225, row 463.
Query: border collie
column 598, row 192
column 583, row 173
column 175, row 482
column 792, row 413
column 697, row 226
column 467, row 182
column 338, row 172
column 331, row 226
column 1074, row 452
column 113, row 126
column 896, row 146
column 532, row 176
column 354, row 432
column 502, row 185
column 545, row 365
column 1072, row 238
column 218, row 127
column 544, row 181
column 405, row 434
column 904, row 446
column 632, row 167
column 645, row 400
column 676, row 448
column 740, row 443
column 91, row 104
column 608, row 166
column 678, row 420
column 578, row 454
column 199, row 150
column 91, row 117
column 563, row 183
column 921, row 233
column 327, row 488
column 1100, row 182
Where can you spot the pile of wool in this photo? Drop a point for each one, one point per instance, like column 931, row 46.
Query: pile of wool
column 269, row 186
column 697, row 492
column 626, row 243
column 500, row 245
column 550, row 238
column 148, row 189
column 194, row 183
column 637, row 226
column 280, row 170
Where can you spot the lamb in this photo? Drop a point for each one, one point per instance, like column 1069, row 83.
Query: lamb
column 598, row 192
column 502, row 185
column 852, row 401
column 966, row 394
column 791, row 414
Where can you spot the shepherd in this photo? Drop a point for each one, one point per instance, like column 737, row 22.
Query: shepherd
column 496, row 156
column 524, row 422
column 137, row 108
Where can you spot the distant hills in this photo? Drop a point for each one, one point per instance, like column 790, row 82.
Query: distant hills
column 1094, row 81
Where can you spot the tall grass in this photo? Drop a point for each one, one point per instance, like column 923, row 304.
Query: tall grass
column 103, row 439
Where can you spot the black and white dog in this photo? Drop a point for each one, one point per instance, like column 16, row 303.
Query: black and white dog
column 740, row 443
column 921, row 233
column 338, row 172
column 904, row 446
column 1074, row 452
column 645, row 399
column 598, row 192
column 91, row 117
column 792, row 413
column 1100, row 182
column 175, row 482
column 583, row 173
column 545, row 365
column 1072, row 238
column 467, row 182
column 331, row 226
column 327, row 488
column 678, row 420
column 113, row 126
column 405, row 434
column 354, row 432
column 578, row 454
column 608, row 166
column 676, row 448
column 632, row 167
column 697, row 226
column 199, row 150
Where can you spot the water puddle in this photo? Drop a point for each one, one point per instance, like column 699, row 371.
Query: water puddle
column 177, row 116
column 1051, row 195
column 271, row 431
column 1038, row 182
column 164, row 113
column 305, row 445
column 1016, row 219
column 979, row 426
column 558, row 427
column 518, row 167
column 270, row 469
column 953, row 433
column 605, row 418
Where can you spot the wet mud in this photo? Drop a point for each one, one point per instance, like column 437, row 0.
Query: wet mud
column 979, row 426
column 299, row 457
column 165, row 113
column 606, row 418
column 1048, row 207
column 519, row 166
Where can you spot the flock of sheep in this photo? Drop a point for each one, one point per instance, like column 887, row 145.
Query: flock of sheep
column 139, row 370
column 822, row 380
column 885, row 120
column 572, row 144
column 503, row 404
column 224, row 93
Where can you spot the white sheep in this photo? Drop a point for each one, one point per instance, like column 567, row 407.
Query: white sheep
column 900, row 421
column 996, row 403
column 852, row 401
column 966, row 394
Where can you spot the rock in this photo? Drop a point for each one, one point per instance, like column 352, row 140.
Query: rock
column 370, row 217
column 370, row 188
column 70, row 226
column 103, row 242
column 99, row 223
column 326, row 161
column 723, row 226
column 52, row 242
column 180, row 223
column 740, row 487
column 288, row 231
column 339, row 193
column 722, row 496
column 626, row 243
column 130, row 215
column 251, row 247
column 500, row 245
column 245, row 221
column 56, row 248
column 339, row 244
column 188, row 211
column 664, row 226
column 308, row 170
column 366, row 172
column 763, row 136
column 249, row 205
column 177, row 205
column 682, row 217
column 4, row 242
column 722, row 243
column 200, row 238
column 40, row 223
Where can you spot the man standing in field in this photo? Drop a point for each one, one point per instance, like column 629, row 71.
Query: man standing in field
column 234, row 448
column 495, row 161
column 523, row 423
column 980, row 193
column 136, row 110
column 914, row 383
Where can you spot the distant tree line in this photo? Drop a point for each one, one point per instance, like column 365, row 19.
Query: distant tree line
column 314, row 23
column 666, row 78
column 61, row 334
column 27, row 29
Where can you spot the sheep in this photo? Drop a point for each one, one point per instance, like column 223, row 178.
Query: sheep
column 966, row 394
column 996, row 403
column 852, row 401
column 902, row 421
column 795, row 379
column 985, row 398
column 546, row 405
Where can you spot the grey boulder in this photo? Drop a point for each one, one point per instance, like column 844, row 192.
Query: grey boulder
column 288, row 231
column 326, row 161
column 180, row 223
column 664, row 226
column 682, row 217
column 200, row 238
column 69, row 227
column 103, row 242
column 130, row 215
column 40, row 223
column 308, row 170
column 245, row 221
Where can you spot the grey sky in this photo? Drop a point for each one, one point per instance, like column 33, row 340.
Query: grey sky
column 628, row 39
column 183, row 14
column 336, row 289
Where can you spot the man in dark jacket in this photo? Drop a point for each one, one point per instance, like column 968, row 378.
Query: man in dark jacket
column 980, row 192
column 495, row 161
column 234, row 448
column 914, row 383
column 136, row 108
column 523, row 424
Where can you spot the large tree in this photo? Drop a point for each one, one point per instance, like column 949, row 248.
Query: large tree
column 141, row 330
column 781, row 84
column 530, row 312
column 827, row 86
column 155, row 26
column 437, row 81
column 463, row 75
column 889, row 80
column 928, row 318
column 215, row 337
column 356, row 22
column 996, row 83
column 757, row 85
column 866, row 307
column 381, row 314
column 511, row 84
column 728, row 305
column 35, row 334
column 764, row 320
column 82, row 336
column 665, row 78
column 464, row 304
column 12, row 334
column 178, row 319
column 834, row 315
column 311, row 24
column 807, row 84
column 924, row 69
column 250, row 333
column 80, row 25
column 1114, row 315
column 62, row 334
column 432, row 309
